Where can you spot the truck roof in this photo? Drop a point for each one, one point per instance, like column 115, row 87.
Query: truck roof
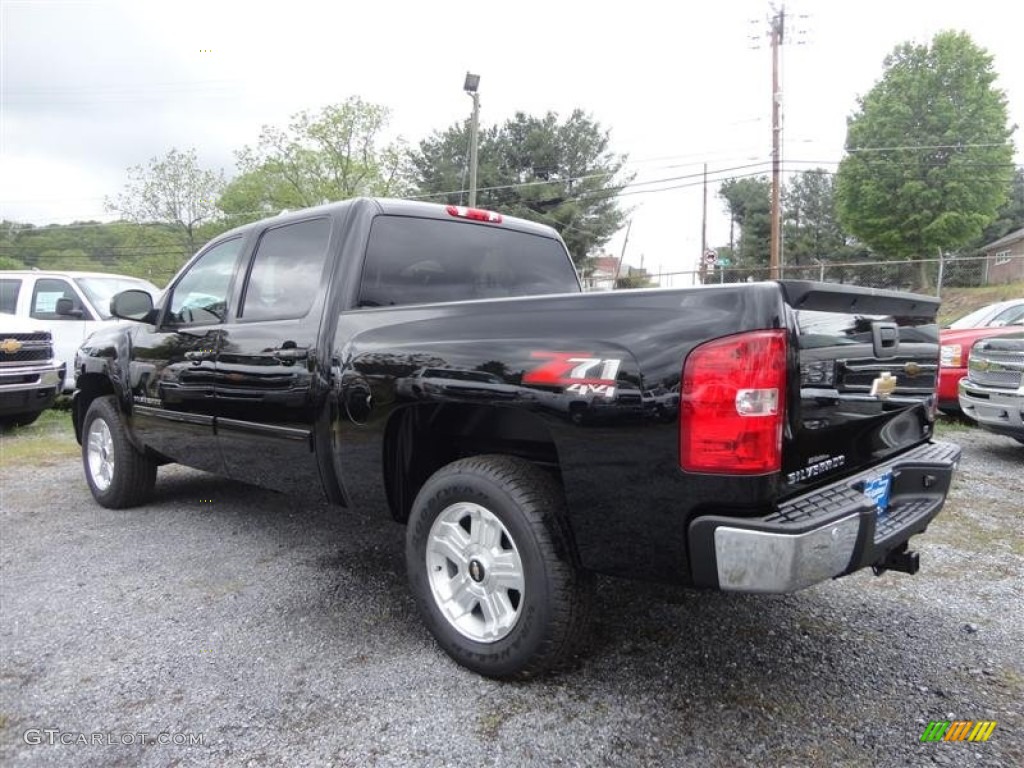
column 398, row 207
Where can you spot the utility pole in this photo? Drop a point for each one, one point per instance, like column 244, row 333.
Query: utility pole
column 471, row 86
column 778, row 23
column 704, row 230
column 622, row 256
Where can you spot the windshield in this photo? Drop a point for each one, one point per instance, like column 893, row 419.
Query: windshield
column 101, row 290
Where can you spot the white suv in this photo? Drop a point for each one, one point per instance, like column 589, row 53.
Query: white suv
column 71, row 305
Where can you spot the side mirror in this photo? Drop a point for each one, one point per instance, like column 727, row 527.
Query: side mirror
column 66, row 308
column 133, row 304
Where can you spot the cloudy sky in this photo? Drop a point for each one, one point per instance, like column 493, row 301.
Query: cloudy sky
column 90, row 88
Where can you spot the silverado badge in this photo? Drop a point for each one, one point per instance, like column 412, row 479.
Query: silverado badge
column 883, row 386
column 10, row 346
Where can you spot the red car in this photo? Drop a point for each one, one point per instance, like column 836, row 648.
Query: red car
column 957, row 339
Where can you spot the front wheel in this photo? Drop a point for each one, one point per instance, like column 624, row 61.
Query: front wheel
column 493, row 569
column 119, row 476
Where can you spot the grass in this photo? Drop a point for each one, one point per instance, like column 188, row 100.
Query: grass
column 957, row 302
column 44, row 443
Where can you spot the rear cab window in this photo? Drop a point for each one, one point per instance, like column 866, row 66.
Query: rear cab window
column 413, row 260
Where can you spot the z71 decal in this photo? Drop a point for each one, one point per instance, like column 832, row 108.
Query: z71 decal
column 578, row 372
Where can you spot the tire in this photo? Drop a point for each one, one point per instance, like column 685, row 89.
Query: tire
column 119, row 476
column 493, row 568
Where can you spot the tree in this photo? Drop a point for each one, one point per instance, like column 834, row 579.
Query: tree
column 333, row 154
column 748, row 203
column 173, row 190
column 811, row 231
column 559, row 173
column 928, row 153
column 1010, row 217
column 151, row 251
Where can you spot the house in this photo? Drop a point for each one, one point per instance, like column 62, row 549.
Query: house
column 1004, row 259
column 602, row 275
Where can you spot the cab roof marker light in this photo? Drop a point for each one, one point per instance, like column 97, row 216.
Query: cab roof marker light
column 473, row 214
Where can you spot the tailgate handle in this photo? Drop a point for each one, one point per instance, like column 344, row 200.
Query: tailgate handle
column 289, row 352
column 885, row 338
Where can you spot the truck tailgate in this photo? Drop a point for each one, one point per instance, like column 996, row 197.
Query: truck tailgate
column 867, row 362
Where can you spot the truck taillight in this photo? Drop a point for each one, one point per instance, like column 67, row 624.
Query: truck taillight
column 474, row 214
column 733, row 405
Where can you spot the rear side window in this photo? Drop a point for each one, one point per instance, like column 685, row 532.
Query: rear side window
column 9, row 295
column 286, row 270
column 416, row 261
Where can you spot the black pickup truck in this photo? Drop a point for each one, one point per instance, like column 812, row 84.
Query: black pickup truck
column 757, row 437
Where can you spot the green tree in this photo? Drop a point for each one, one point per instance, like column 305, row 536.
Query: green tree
column 1010, row 217
column 173, row 190
column 748, row 203
column 928, row 152
column 151, row 251
column 811, row 231
column 330, row 155
column 557, row 172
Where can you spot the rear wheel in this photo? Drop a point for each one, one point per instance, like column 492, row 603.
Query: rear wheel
column 119, row 475
column 492, row 567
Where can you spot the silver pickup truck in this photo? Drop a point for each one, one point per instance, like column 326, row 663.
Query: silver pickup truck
column 992, row 393
column 30, row 375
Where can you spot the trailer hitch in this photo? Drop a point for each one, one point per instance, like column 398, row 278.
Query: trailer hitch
column 900, row 559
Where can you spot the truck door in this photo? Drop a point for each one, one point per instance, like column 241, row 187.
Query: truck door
column 172, row 363
column 69, row 330
column 269, row 380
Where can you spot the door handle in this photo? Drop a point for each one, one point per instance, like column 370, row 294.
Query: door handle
column 290, row 354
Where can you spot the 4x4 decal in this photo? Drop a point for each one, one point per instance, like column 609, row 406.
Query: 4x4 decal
column 578, row 372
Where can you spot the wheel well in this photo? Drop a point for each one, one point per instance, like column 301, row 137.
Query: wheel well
column 90, row 386
column 421, row 439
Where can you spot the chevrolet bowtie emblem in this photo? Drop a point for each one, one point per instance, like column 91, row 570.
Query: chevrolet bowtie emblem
column 10, row 346
column 883, row 386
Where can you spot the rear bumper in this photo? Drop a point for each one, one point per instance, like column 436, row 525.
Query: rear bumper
column 998, row 410
column 826, row 533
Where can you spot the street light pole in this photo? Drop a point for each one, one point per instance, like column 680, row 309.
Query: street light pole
column 471, row 86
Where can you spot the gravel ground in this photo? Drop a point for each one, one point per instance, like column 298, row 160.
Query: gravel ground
column 283, row 634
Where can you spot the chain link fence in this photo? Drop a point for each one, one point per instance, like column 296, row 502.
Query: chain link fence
column 935, row 274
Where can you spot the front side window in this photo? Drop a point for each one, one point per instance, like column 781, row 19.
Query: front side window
column 201, row 296
column 47, row 292
column 9, row 290
column 286, row 270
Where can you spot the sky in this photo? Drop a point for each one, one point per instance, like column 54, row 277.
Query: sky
column 88, row 89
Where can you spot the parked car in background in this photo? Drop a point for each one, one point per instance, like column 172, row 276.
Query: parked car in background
column 992, row 393
column 30, row 376
column 70, row 305
column 993, row 316
column 957, row 339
